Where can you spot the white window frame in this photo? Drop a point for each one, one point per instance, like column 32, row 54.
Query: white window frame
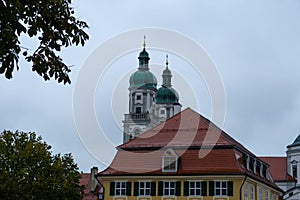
column 169, row 188
column 294, row 166
column 254, row 166
column 139, row 100
column 169, row 161
column 267, row 195
column 144, row 188
column 120, row 188
column 260, row 194
column 221, row 189
column 252, row 195
column 195, row 187
column 246, row 191
column 248, row 162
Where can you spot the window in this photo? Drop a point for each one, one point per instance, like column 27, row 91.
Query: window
column 246, row 191
column 275, row 197
column 254, row 166
column 252, row 192
column 169, row 188
column 247, row 162
column 120, row 188
column 267, row 195
column 169, row 161
column 144, row 188
column 220, row 188
column 138, row 97
column 261, row 169
column 294, row 171
column 260, row 194
column 138, row 110
column 195, row 188
column 162, row 112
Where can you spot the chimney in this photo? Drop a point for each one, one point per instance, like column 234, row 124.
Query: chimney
column 93, row 181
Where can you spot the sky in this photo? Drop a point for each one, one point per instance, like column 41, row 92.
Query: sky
column 255, row 46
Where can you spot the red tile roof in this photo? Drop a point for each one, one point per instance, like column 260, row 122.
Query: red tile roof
column 202, row 147
column 85, row 180
column 278, row 168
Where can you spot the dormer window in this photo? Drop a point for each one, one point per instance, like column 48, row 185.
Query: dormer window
column 254, row 166
column 169, row 161
column 248, row 162
column 261, row 166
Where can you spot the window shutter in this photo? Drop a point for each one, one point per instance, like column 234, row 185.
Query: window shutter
column 230, row 188
column 160, row 188
column 153, row 189
column 128, row 189
column 178, row 188
column 136, row 188
column 112, row 189
column 186, row 188
column 211, row 188
column 203, row 188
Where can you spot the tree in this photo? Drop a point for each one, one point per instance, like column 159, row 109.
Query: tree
column 29, row 171
column 52, row 23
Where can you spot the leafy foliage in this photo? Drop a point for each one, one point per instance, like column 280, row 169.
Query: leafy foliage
column 52, row 22
column 29, row 171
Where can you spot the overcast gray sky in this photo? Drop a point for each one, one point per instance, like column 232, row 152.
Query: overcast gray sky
column 255, row 46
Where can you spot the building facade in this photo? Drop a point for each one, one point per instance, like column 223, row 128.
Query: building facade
column 187, row 157
column 285, row 170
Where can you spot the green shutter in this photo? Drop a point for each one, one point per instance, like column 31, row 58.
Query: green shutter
column 160, row 188
column 136, row 188
column 128, row 189
column 178, row 188
column 186, row 188
column 211, row 188
column 153, row 189
column 203, row 188
column 112, row 189
column 230, row 188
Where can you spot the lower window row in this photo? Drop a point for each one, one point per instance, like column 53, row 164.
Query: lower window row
column 172, row 188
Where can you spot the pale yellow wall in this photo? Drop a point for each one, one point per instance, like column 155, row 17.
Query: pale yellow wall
column 237, row 183
column 258, row 185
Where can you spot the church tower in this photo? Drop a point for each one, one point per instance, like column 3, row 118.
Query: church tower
column 148, row 106
column 166, row 98
column 142, row 91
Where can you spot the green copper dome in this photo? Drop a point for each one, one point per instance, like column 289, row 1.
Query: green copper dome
column 166, row 95
column 142, row 79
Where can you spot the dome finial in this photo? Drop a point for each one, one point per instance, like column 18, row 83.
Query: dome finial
column 144, row 41
column 167, row 62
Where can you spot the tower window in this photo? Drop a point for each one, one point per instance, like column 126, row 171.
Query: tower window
column 138, row 110
column 138, row 97
column 294, row 171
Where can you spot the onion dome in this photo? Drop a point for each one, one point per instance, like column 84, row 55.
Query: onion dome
column 166, row 94
column 143, row 78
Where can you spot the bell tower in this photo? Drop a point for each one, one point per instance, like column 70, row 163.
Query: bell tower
column 142, row 89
